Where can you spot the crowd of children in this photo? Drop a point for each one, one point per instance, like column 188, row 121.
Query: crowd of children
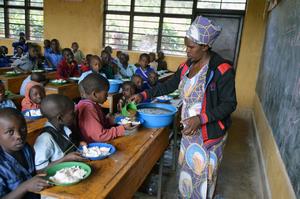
column 60, row 137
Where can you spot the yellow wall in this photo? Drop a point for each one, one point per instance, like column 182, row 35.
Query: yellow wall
column 250, row 53
column 70, row 21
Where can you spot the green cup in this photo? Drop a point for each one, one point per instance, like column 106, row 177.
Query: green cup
column 129, row 110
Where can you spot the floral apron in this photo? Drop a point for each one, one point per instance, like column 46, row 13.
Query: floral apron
column 197, row 164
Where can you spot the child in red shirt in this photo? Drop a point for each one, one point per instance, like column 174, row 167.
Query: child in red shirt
column 68, row 66
column 93, row 124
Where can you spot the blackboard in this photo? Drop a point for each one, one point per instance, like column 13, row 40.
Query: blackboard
column 278, row 84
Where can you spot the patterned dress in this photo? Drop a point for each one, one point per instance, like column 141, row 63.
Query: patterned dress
column 198, row 163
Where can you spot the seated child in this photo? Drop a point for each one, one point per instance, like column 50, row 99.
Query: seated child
column 85, row 63
column 29, row 61
column 93, row 124
column 33, row 96
column 126, row 69
column 35, row 77
column 109, row 68
column 4, row 61
column 95, row 66
column 68, row 66
column 144, row 68
column 161, row 63
column 56, row 143
column 54, row 56
column 4, row 102
column 78, row 55
column 17, row 179
column 128, row 90
column 137, row 80
column 47, row 46
column 153, row 63
column 19, row 53
column 152, row 79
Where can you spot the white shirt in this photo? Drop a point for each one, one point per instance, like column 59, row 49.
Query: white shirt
column 46, row 149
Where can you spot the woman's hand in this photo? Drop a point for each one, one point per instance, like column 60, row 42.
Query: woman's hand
column 136, row 98
column 191, row 125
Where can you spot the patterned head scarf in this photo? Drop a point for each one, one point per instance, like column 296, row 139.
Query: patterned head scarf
column 203, row 31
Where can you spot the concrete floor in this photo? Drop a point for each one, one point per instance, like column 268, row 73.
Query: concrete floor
column 239, row 174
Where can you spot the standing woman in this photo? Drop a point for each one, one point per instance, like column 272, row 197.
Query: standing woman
column 207, row 86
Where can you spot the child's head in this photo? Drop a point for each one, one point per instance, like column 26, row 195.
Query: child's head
column 144, row 60
column 2, row 91
column 38, row 77
column 137, row 80
column 55, row 46
column 58, row 109
column 68, row 55
column 124, row 58
column 33, row 50
column 37, row 94
column 75, row 46
column 108, row 49
column 47, row 43
column 152, row 57
column 4, row 50
column 152, row 78
column 20, row 50
column 13, row 130
column 161, row 55
column 95, row 63
column 22, row 40
column 105, row 57
column 128, row 89
column 119, row 54
column 95, row 88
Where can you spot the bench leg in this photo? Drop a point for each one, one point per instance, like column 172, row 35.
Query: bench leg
column 161, row 164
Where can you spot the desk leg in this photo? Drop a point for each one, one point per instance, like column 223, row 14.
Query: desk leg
column 161, row 164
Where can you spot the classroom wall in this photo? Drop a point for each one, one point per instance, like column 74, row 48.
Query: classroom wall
column 80, row 21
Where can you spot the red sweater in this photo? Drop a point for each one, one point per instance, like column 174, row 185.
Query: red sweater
column 93, row 124
column 65, row 70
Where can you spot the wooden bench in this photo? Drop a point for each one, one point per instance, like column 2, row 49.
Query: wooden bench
column 33, row 129
column 3, row 70
column 70, row 90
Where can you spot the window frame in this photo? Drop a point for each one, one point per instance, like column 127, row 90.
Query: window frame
column 27, row 8
column 132, row 13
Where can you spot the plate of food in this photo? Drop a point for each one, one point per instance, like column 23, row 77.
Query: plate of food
column 58, row 81
column 32, row 114
column 164, row 98
column 175, row 94
column 12, row 73
column 49, row 69
column 37, row 71
column 97, row 150
column 67, row 173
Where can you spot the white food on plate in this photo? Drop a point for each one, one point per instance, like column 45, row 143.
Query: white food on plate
column 165, row 97
column 68, row 175
column 95, row 151
column 59, row 81
column 127, row 120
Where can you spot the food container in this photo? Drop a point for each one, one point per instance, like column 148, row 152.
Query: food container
column 114, row 85
column 156, row 115
column 129, row 110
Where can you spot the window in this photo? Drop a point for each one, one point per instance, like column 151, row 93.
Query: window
column 155, row 25
column 21, row 16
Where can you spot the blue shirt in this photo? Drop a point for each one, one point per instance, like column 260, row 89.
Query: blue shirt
column 12, row 173
column 144, row 73
column 7, row 103
column 4, row 61
column 54, row 58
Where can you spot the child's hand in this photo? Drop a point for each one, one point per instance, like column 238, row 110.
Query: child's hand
column 35, row 184
column 74, row 156
column 111, row 118
column 120, row 104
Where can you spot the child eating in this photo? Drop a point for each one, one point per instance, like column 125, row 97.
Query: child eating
column 144, row 68
column 33, row 96
column 56, row 139
column 78, row 54
column 68, row 66
column 17, row 179
column 128, row 90
column 137, row 80
column 93, row 124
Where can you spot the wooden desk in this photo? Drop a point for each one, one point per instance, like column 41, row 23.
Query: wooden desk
column 165, row 76
column 120, row 175
column 70, row 90
column 33, row 129
column 3, row 70
column 13, row 83
column 51, row 75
